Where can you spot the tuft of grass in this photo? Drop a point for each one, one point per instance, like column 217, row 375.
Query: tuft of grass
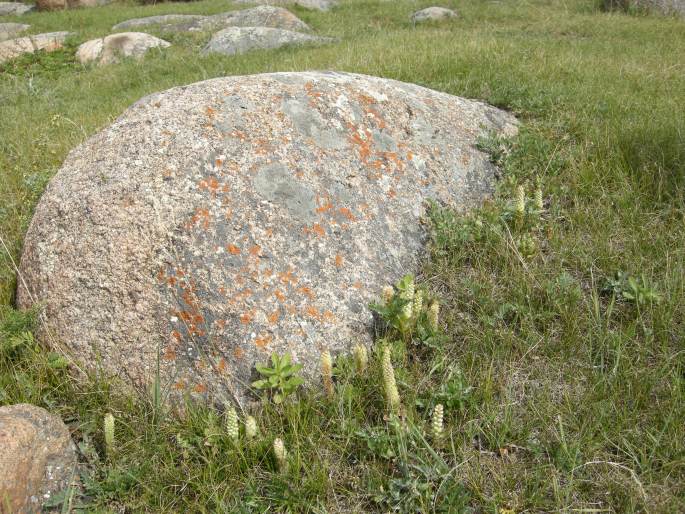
column 562, row 382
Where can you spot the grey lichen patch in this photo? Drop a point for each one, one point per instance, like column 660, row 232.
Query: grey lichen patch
column 247, row 215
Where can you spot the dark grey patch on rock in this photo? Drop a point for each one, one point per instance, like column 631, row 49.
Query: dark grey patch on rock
column 277, row 184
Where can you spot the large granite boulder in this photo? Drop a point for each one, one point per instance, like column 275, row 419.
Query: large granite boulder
column 433, row 14
column 215, row 223
column 261, row 16
column 113, row 48
column 12, row 30
column 48, row 42
column 37, row 458
column 317, row 5
column 14, row 8
column 239, row 40
column 53, row 5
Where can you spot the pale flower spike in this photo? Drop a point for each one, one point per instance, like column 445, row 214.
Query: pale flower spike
column 433, row 315
column 539, row 202
column 418, row 303
column 280, row 453
column 109, row 433
column 388, row 293
column 391, row 393
column 437, row 421
column 520, row 204
column 327, row 373
column 250, row 427
column 361, row 358
column 409, row 296
column 232, row 428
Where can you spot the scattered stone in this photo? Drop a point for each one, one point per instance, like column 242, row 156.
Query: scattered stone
column 238, row 40
column 14, row 8
column 53, row 5
column 261, row 16
column 11, row 30
column 215, row 223
column 49, row 42
column 665, row 7
column 318, row 5
column 37, row 457
column 112, row 48
column 433, row 14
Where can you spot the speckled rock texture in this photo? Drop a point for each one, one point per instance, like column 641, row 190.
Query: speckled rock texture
column 216, row 223
column 261, row 16
column 666, row 7
column 114, row 47
column 12, row 30
column 239, row 40
column 53, row 5
column 433, row 14
column 48, row 42
column 317, row 5
column 14, row 8
column 37, row 458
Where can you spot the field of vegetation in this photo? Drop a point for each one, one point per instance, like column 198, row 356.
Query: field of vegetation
column 560, row 356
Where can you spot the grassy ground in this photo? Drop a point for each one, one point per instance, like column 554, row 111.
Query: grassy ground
column 564, row 386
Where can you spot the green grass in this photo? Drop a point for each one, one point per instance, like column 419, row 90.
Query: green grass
column 560, row 396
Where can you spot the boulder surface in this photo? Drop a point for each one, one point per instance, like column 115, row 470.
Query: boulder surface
column 317, row 5
column 261, row 16
column 11, row 30
column 48, row 42
column 37, row 457
column 114, row 47
column 53, row 5
column 433, row 14
column 14, row 8
column 215, row 223
column 239, row 40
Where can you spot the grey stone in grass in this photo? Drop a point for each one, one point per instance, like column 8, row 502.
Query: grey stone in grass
column 239, row 40
column 11, row 30
column 317, row 5
column 14, row 8
column 114, row 47
column 37, row 457
column 261, row 16
column 215, row 223
column 48, row 42
column 666, row 7
column 433, row 14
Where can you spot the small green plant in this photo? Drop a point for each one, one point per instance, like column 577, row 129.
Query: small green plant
column 637, row 291
column 281, row 379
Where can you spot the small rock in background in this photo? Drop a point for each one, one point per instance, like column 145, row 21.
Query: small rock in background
column 15, row 47
column 10, row 30
column 261, row 16
column 112, row 48
column 317, row 5
column 433, row 14
column 37, row 457
column 14, row 8
column 238, row 40
column 53, row 5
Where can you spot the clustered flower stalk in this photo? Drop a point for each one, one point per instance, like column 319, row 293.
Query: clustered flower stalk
column 232, row 424
column 391, row 393
column 388, row 293
column 109, row 433
column 250, row 427
column 418, row 303
column 408, row 295
column 361, row 358
column 520, row 203
column 281, row 454
column 433, row 315
column 327, row 373
column 437, row 421
column 539, row 203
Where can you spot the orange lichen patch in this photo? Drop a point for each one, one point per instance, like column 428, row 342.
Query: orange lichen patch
column 255, row 250
column 180, row 385
column 221, row 323
column 278, row 294
column 318, row 230
column 169, row 354
column 291, row 309
column 309, row 87
column 222, row 290
column 357, row 285
column 210, row 112
column 410, row 156
column 176, row 335
column 268, row 272
column 262, row 341
column 201, row 215
column 392, row 193
column 233, row 249
column 221, row 366
column 313, row 312
column 324, row 204
column 211, row 184
column 160, row 275
column 329, row 316
column 198, row 318
column 273, row 317
column 363, row 145
column 218, row 162
column 339, row 261
column 306, row 291
column 238, row 353
column 200, row 388
column 347, row 213
column 288, row 277
column 238, row 135
column 246, row 317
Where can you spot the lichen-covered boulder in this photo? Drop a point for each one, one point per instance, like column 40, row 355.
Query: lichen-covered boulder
column 317, row 5
column 239, row 40
column 37, row 458
column 215, row 223
column 14, row 8
column 48, row 42
column 114, row 47
column 261, row 16
column 11, row 30
column 433, row 14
